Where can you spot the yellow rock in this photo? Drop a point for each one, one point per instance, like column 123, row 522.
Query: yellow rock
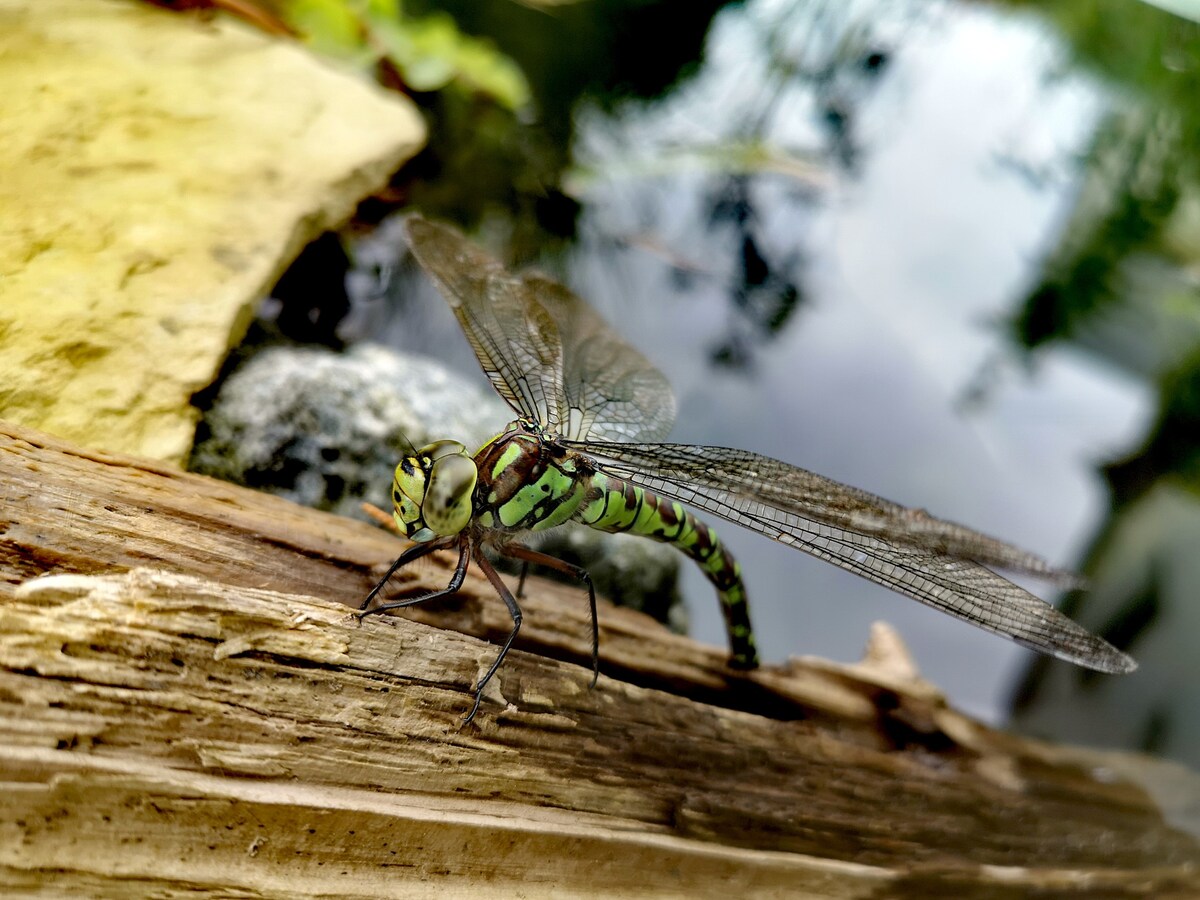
column 158, row 172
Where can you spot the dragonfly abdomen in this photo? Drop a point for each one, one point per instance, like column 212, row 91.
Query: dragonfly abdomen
column 614, row 505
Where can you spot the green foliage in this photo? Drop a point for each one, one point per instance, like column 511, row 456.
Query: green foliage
column 1140, row 170
column 1140, row 47
column 429, row 53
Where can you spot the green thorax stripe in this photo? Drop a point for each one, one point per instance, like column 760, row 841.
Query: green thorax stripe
column 525, row 484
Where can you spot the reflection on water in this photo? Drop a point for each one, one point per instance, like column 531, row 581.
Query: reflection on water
column 829, row 234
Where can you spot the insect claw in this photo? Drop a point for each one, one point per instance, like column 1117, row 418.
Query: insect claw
column 466, row 720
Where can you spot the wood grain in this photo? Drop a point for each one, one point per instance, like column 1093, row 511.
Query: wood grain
column 187, row 708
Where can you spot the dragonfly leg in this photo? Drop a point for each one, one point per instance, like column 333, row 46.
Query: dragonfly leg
column 527, row 556
column 513, row 610
column 416, row 551
column 521, row 579
column 456, row 580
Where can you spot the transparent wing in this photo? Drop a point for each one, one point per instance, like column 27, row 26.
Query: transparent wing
column 514, row 338
column 552, row 358
column 612, row 391
column 931, row 560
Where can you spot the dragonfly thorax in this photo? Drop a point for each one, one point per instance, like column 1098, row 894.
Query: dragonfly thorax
column 432, row 491
column 527, row 482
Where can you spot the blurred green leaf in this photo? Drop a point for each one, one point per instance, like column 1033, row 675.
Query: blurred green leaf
column 328, row 25
column 430, row 52
column 424, row 50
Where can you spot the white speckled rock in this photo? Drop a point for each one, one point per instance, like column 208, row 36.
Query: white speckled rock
column 327, row 429
column 158, row 172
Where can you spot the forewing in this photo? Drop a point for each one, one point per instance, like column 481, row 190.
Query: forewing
column 547, row 353
column 613, row 392
column 937, row 562
column 515, row 340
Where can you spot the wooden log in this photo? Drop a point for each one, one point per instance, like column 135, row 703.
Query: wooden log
column 186, row 706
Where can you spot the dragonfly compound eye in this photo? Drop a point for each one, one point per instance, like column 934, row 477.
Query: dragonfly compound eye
column 408, row 492
column 448, row 496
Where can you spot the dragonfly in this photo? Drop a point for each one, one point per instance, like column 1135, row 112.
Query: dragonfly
column 587, row 446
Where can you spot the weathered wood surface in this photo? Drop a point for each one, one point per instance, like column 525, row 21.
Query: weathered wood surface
column 214, row 723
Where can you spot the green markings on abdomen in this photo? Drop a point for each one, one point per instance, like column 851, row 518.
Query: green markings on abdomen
column 618, row 506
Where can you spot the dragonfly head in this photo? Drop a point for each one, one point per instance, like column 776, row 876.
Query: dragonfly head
column 432, row 492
